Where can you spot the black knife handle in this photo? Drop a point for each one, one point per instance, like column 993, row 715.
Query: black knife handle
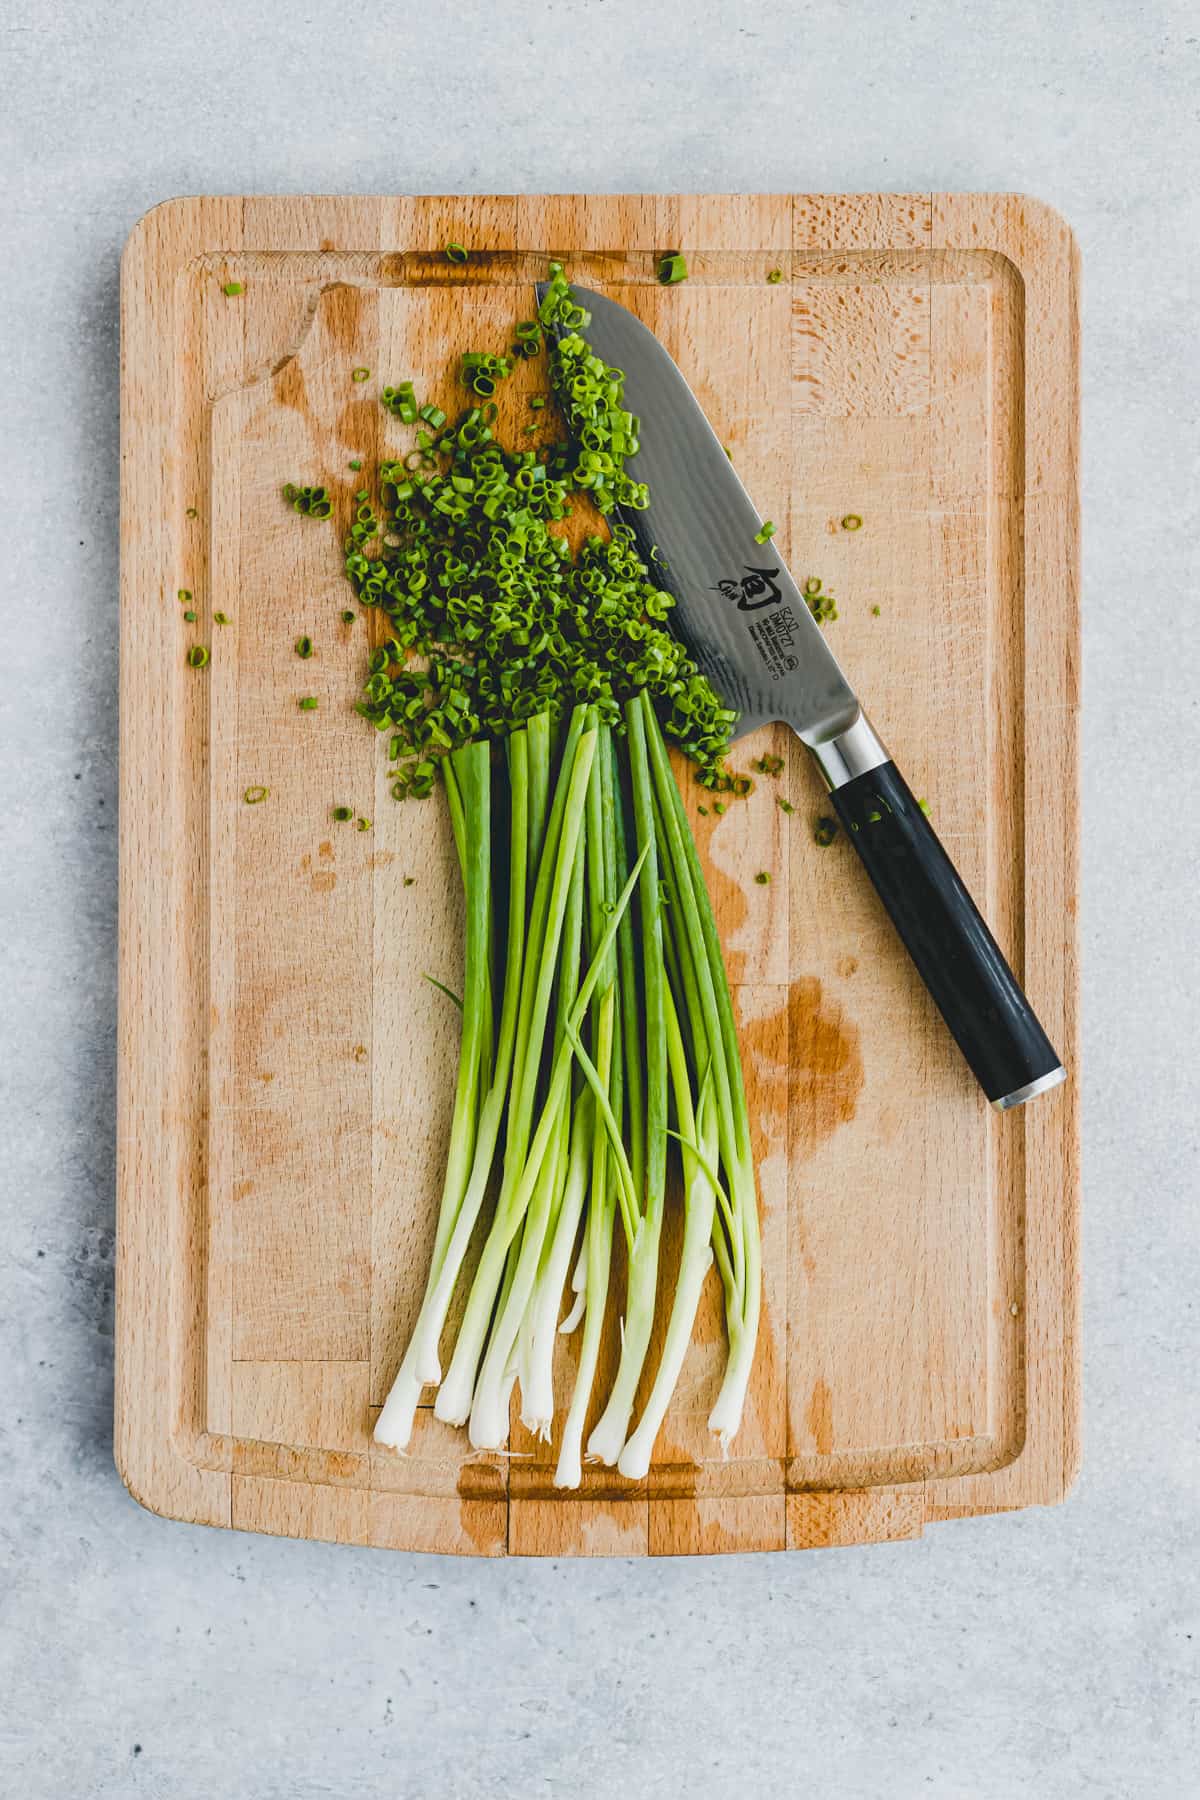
column 956, row 955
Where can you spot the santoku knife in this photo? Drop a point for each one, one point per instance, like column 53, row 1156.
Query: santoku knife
column 751, row 631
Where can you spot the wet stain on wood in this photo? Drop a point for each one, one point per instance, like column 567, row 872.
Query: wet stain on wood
column 819, row 1418
column 485, row 1524
column 342, row 304
column 765, row 1058
column 289, row 385
column 826, row 1066
column 479, row 1480
column 357, row 423
column 324, row 881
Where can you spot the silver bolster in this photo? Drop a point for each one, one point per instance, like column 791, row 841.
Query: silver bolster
column 853, row 752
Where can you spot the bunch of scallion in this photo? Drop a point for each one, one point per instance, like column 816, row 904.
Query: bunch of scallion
column 598, row 1036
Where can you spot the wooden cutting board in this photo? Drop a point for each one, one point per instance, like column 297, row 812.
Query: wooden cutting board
column 285, row 1071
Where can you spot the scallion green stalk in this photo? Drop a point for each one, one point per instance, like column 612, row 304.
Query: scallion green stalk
column 455, row 1395
column 696, row 1255
column 537, row 1365
column 489, row 1418
column 607, row 1438
column 744, row 1249
column 421, row 1362
column 522, row 1194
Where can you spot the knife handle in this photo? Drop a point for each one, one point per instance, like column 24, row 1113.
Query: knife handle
column 956, row 955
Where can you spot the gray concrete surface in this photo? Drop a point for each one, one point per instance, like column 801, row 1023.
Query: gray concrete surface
column 1051, row 1654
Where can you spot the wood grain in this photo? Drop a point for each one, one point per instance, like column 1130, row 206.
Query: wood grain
column 285, row 1069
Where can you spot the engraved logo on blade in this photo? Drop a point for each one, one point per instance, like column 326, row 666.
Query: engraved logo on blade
column 752, row 591
column 773, row 639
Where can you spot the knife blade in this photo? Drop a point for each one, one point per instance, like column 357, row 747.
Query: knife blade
column 752, row 633
column 742, row 615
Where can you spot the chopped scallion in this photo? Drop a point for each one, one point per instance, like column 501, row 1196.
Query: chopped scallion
column 821, row 604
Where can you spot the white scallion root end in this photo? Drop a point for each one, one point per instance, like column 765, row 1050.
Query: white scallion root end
column 608, row 1440
column 726, row 1416
column 634, row 1460
column 537, row 1401
column 488, row 1426
column 453, row 1403
column 393, row 1427
column 568, row 1474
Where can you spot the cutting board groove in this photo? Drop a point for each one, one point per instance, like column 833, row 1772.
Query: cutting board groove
column 285, row 1068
